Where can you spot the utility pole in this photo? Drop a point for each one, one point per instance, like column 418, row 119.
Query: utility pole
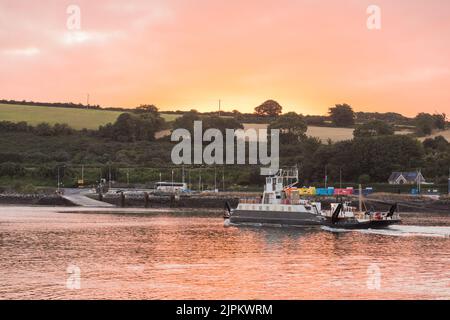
column 59, row 178
column 223, row 178
column 82, row 174
column 189, row 179
column 219, row 107
column 87, row 101
column 182, row 169
column 326, row 177
column 418, row 182
column 199, row 178
column 215, row 179
column 128, row 177
column 58, row 181
column 109, row 174
column 449, row 180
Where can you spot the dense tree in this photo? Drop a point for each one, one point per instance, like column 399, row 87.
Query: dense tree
column 364, row 179
column 186, row 121
column 374, row 156
column 373, row 128
column 11, row 157
column 379, row 156
column 390, row 117
column 269, row 108
column 342, row 115
column 425, row 123
column 43, row 129
column 316, row 120
column 147, row 108
column 46, row 130
column 11, row 169
column 130, row 128
column 215, row 122
column 436, row 143
column 292, row 125
column 208, row 122
column 62, row 129
column 440, row 121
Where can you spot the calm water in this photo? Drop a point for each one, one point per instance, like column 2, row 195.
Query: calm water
column 159, row 256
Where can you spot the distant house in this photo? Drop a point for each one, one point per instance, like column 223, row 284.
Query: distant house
column 406, row 178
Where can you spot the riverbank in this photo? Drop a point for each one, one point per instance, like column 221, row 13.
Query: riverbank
column 376, row 201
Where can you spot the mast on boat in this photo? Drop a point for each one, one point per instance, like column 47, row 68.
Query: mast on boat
column 360, row 198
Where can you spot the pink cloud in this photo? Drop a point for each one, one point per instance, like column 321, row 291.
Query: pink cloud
column 181, row 54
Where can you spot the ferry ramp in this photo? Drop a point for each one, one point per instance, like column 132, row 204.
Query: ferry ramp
column 80, row 198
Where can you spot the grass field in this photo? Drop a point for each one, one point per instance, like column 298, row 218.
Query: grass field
column 74, row 117
column 445, row 134
column 323, row 133
column 92, row 119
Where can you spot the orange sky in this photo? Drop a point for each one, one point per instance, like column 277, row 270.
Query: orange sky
column 183, row 54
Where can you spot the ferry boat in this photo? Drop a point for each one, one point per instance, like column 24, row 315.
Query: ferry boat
column 280, row 205
column 277, row 206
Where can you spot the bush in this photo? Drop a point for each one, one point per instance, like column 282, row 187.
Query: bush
column 11, row 157
column 7, row 126
column 373, row 128
column 11, row 169
column 43, row 129
column 364, row 179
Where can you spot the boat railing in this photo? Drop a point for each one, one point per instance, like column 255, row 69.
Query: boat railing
column 292, row 201
column 250, row 200
column 282, row 201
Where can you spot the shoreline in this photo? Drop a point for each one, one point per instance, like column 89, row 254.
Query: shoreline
column 217, row 202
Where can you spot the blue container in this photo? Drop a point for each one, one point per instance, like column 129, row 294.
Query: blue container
column 325, row 191
column 366, row 191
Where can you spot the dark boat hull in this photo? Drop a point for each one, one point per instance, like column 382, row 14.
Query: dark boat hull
column 283, row 218
column 354, row 224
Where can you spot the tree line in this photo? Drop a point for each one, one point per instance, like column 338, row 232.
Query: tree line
column 373, row 153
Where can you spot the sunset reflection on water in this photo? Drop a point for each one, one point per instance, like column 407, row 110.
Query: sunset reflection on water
column 182, row 257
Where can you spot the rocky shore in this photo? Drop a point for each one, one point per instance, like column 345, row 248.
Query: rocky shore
column 33, row 199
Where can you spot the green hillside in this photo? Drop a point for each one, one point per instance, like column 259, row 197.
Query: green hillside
column 74, row 117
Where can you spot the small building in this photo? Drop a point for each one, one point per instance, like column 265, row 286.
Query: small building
column 406, row 178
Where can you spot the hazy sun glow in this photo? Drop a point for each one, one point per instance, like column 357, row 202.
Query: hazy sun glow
column 183, row 54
